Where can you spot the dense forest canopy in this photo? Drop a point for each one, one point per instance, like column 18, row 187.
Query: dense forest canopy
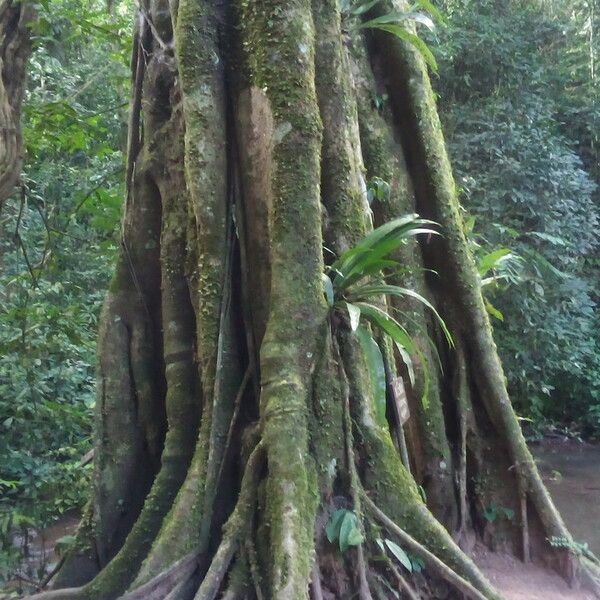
column 517, row 90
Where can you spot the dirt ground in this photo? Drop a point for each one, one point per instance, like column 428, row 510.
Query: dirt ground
column 517, row 581
column 571, row 470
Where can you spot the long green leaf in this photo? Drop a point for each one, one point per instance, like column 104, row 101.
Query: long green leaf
column 400, row 554
column 432, row 10
column 354, row 314
column 388, row 325
column 396, row 18
column 376, row 369
column 360, row 263
column 394, row 290
column 362, row 8
column 400, row 32
column 408, row 362
column 389, row 228
column 375, row 246
column 328, row 289
column 491, row 260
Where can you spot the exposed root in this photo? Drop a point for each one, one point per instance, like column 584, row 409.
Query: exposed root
column 364, row 591
column 461, row 392
column 254, row 570
column 64, row 594
column 237, row 586
column 234, row 417
column 404, row 585
column 525, row 527
column 441, row 568
column 160, row 586
column 184, row 589
column 315, row 581
column 235, row 529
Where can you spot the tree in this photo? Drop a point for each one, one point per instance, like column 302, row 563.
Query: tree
column 236, row 418
column 15, row 18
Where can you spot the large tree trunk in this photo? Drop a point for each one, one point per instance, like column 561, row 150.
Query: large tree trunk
column 235, row 415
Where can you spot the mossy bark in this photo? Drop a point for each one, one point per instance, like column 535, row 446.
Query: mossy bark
column 240, row 402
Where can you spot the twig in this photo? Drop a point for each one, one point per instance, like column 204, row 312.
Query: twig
column 93, row 191
column 35, row 584
column 153, row 29
column 431, row 559
column 53, row 572
column 138, row 69
column 19, row 240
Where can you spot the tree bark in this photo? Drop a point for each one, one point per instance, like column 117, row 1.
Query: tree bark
column 235, row 410
column 15, row 48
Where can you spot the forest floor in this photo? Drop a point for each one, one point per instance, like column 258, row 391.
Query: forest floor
column 518, row 581
column 571, row 470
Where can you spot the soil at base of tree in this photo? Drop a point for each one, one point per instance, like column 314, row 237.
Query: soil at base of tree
column 571, row 471
column 519, row 581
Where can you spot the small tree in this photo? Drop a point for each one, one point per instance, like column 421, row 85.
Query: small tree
column 15, row 48
column 239, row 447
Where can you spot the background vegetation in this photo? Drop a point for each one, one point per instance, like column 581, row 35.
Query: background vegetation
column 518, row 91
column 58, row 236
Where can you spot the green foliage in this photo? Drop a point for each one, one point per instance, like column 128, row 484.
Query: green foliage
column 521, row 111
column 498, row 268
column 410, row 562
column 376, row 368
column 58, row 237
column 344, row 528
column 580, row 548
column 494, row 512
column 355, row 284
column 399, row 23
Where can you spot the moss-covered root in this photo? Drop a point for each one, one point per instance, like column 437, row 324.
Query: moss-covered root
column 202, row 77
column 343, row 188
column 427, row 436
column 236, row 528
column 182, row 400
column 390, row 485
column 201, row 74
column 414, row 107
column 275, row 36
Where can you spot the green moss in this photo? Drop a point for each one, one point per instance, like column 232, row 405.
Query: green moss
column 343, row 188
column 327, row 419
column 275, row 36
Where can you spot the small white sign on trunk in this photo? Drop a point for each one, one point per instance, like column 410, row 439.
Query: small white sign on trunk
column 400, row 400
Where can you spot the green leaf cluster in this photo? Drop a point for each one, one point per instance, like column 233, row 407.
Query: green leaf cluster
column 343, row 528
column 354, row 284
column 518, row 93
